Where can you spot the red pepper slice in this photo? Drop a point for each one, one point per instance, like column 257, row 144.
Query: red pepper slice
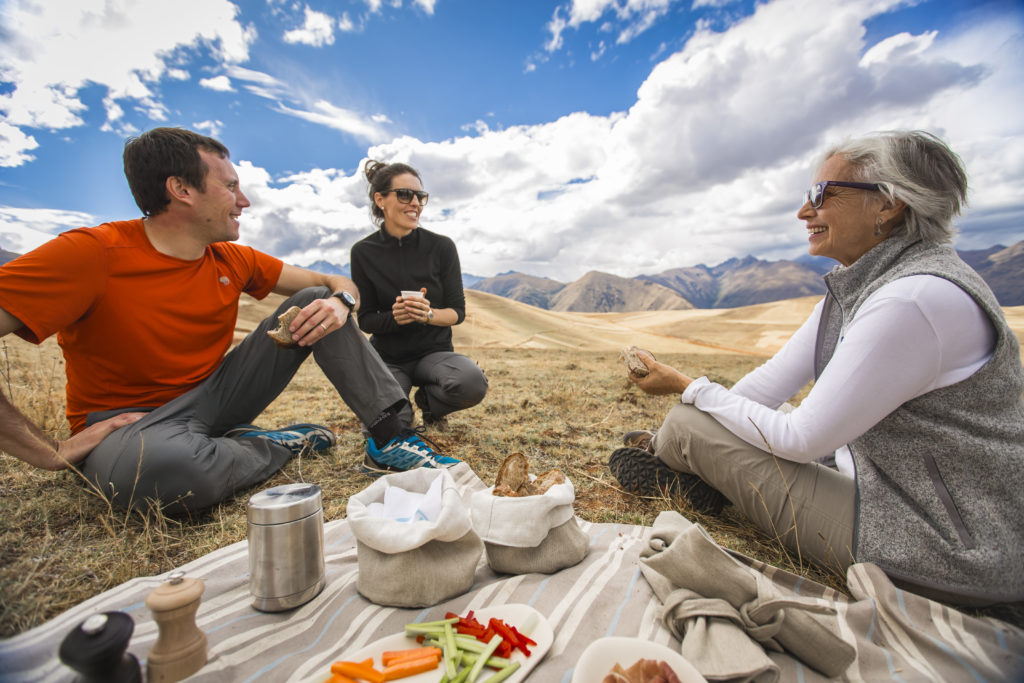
column 502, row 629
column 525, row 639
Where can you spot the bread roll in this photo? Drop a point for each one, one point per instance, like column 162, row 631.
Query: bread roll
column 281, row 336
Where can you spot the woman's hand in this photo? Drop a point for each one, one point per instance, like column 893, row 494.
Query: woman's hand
column 412, row 309
column 661, row 379
column 398, row 310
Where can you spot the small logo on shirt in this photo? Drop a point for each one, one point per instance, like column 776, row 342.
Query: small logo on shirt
column 225, row 280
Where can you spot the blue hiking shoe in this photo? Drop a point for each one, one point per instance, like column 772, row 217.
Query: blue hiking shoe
column 298, row 438
column 407, row 451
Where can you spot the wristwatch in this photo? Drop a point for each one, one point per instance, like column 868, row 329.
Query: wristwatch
column 430, row 314
column 347, row 299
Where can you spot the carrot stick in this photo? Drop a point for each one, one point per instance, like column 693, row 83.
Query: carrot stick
column 338, row 678
column 357, row 670
column 410, row 667
column 391, row 656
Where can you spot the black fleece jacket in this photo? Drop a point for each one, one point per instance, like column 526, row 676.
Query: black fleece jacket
column 382, row 266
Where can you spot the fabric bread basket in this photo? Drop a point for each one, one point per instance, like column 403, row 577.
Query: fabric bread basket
column 524, row 534
column 415, row 563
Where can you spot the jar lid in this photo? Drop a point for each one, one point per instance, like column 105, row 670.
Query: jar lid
column 285, row 503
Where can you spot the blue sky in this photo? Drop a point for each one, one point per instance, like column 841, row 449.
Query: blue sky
column 627, row 136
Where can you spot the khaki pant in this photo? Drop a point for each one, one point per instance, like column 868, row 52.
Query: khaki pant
column 808, row 506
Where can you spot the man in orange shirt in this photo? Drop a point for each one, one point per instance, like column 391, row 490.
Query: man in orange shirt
column 145, row 310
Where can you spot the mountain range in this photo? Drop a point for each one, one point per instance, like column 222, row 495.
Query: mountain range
column 730, row 284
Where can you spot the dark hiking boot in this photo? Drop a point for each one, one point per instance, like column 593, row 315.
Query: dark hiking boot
column 640, row 472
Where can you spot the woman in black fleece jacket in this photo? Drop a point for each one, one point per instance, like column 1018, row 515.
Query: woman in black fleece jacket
column 413, row 334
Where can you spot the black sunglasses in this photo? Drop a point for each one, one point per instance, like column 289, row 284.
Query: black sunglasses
column 405, row 195
column 816, row 195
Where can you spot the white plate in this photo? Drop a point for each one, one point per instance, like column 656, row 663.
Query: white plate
column 597, row 660
column 513, row 615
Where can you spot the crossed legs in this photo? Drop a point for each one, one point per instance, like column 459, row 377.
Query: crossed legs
column 177, row 455
column 809, row 507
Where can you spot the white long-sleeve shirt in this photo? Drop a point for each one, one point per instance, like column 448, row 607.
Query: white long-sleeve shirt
column 911, row 336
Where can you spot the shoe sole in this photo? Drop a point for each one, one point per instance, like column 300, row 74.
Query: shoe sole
column 640, row 472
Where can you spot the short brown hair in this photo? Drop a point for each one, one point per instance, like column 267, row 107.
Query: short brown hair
column 161, row 153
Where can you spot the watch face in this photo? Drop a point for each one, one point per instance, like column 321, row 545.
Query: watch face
column 347, row 299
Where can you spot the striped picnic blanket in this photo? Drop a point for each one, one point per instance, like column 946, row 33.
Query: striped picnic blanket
column 604, row 595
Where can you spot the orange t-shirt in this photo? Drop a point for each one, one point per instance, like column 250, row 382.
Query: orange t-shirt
column 137, row 328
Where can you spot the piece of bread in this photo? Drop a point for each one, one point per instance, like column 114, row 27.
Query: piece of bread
column 634, row 365
column 545, row 481
column 514, row 478
column 281, row 336
column 514, row 473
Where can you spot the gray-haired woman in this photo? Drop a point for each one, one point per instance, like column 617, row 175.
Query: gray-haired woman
column 917, row 394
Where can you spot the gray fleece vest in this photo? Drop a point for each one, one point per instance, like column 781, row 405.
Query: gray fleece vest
column 940, row 480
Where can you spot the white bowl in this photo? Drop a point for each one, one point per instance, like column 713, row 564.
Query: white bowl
column 597, row 660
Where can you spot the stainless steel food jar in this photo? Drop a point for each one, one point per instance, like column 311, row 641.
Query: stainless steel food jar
column 286, row 546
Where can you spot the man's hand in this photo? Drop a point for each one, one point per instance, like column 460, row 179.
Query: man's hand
column 75, row 449
column 661, row 379
column 317, row 320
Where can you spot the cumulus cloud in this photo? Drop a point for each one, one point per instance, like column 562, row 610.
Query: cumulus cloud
column 15, row 145
column 212, row 128
column 219, row 83
column 22, row 230
column 710, row 162
column 317, row 30
column 39, row 36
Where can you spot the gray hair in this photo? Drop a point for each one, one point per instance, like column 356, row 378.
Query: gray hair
column 917, row 168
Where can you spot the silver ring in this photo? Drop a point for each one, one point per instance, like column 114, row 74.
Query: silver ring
column 324, row 326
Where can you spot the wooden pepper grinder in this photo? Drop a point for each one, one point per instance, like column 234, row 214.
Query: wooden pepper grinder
column 180, row 648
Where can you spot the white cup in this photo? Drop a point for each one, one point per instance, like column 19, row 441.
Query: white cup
column 412, row 294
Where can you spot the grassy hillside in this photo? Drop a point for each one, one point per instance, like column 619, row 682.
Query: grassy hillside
column 557, row 394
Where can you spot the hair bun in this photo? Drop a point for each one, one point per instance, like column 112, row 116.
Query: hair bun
column 372, row 167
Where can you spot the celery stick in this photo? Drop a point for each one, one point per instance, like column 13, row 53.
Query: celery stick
column 417, row 629
column 484, row 656
column 451, row 653
column 493, row 662
column 473, row 645
column 440, row 622
column 504, row 673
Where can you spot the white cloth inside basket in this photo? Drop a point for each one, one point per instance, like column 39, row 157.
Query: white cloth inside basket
column 409, row 506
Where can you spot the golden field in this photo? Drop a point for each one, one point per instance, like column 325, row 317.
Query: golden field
column 557, row 394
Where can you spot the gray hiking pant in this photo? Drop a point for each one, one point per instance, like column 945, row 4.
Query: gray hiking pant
column 177, row 455
column 449, row 381
column 808, row 506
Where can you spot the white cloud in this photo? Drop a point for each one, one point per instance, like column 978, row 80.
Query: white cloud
column 22, row 230
column 345, row 23
column 15, row 145
column 40, row 36
column 212, row 128
column 426, row 5
column 317, row 30
column 632, row 17
column 219, row 83
column 338, row 118
column 709, row 163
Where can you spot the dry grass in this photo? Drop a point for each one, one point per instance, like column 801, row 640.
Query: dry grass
column 61, row 543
